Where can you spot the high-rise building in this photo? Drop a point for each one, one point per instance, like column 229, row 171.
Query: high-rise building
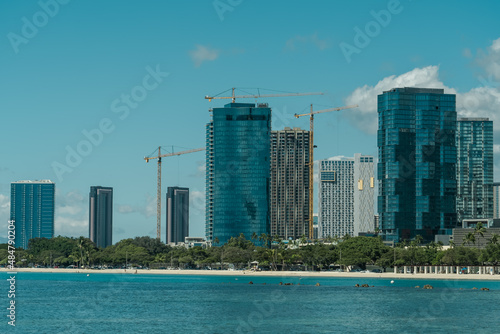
column 32, row 206
column 290, row 183
column 346, row 196
column 101, row 216
column 474, row 168
column 238, row 171
column 177, row 214
column 496, row 200
column 417, row 163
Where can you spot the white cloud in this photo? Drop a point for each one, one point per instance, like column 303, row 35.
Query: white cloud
column 147, row 209
column 197, row 201
column 365, row 117
column 489, row 60
column 294, row 42
column 202, row 54
column 480, row 102
column 71, row 218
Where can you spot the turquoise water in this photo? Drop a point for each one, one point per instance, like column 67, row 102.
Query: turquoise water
column 108, row 303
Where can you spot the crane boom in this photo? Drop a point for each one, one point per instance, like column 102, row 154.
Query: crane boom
column 311, row 158
column 158, row 183
column 233, row 97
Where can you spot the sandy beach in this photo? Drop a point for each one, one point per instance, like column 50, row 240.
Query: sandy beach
column 388, row 275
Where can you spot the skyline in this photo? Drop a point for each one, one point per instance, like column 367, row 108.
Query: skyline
column 70, row 81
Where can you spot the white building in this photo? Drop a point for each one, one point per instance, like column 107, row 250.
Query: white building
column 346, row 196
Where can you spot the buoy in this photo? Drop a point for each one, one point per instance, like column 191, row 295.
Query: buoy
column 88, row 274
column 392, row 282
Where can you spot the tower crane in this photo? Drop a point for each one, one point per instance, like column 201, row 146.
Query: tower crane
column 233, row 96
column 158, row 192
column 311, row 159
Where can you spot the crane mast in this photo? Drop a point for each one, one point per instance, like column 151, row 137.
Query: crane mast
column 158, row 183
column 311, row 157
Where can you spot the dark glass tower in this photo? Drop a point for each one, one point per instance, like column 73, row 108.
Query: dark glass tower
column 101, row 216
column 475, row 168
column 417, row 162
column 238, row 171
column 32, row 206
column 177, row 214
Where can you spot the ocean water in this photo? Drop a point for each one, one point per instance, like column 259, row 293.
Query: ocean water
column 127, row 303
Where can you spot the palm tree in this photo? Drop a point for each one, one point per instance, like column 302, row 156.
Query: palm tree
column 494, row 239
column 469, row 238
column 479, row 229
column 216, row 241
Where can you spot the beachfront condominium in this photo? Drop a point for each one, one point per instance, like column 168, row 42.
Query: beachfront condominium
column 101, row 216
column 346, row 196
column 417, row 163
column 289, row 191
column 177, row 215
column 32, row 205
column 237, row 171
column 474, row 168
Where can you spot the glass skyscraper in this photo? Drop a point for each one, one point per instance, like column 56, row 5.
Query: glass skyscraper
column 474, row 168
column 238, row 171
column 101, row 216
column 417, row 163
column 177, row 214
column 32, row 205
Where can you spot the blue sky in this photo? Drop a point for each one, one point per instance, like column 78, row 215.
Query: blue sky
column 68, row 67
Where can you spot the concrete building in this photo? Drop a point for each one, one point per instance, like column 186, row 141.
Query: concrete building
column 417, row 163
column 289, row 191
column 238, row 171
column 346, row 196
column 475, row 197
column 364, row 194
column 32, row 208
column 496, row 199
column 177, row 215
column 101, row 216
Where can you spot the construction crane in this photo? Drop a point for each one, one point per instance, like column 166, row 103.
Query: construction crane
column 158, row 191
column 311, row 159
column 233, row 96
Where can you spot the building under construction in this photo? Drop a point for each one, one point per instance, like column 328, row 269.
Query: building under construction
column 289, row 191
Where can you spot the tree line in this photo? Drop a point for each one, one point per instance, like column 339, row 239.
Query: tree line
column 238, row 252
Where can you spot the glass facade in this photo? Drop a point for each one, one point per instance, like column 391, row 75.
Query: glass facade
column 101, row 216
column 32, row 209
column 177, row 214
column 238, row 171
column 417, row 162
column 474, row 168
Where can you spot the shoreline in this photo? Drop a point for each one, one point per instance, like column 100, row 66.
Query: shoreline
column 323, row 274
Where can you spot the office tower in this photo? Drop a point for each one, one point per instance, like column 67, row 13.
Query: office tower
column 101, row 216
column 474, row 168
column 32, row 205
column 496, row 200
column 346, row 196
column 417, row 163
column 177, row 214
column 290, row 183
column 238, row 171
column 336, row 198
column 364, row 194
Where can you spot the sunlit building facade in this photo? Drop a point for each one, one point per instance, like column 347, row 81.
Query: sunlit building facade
column 32, row 208
column 238, row 171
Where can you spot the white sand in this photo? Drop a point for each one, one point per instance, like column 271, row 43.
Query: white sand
column 388, row 275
